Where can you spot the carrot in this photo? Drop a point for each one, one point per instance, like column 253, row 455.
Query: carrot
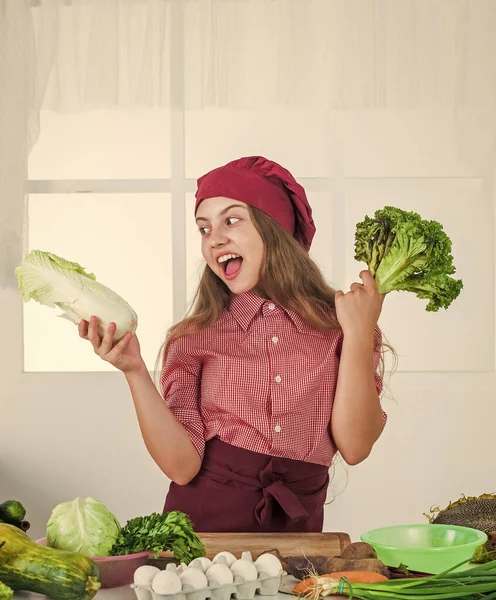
column 307, row 586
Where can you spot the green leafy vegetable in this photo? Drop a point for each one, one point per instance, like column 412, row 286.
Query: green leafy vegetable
column 160, row 532
column 406, row 253
column 84, row 526
column 472, row 583
column 56, row 282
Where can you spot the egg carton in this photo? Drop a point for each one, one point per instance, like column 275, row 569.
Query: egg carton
column 241, row 589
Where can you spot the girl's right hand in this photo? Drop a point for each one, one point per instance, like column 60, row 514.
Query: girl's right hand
column 124, row 355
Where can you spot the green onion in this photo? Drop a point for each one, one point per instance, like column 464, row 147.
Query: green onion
column 471, row 584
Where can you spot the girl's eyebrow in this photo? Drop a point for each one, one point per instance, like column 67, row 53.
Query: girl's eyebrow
column 222, row 212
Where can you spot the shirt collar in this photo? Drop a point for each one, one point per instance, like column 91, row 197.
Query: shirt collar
column 245, row 306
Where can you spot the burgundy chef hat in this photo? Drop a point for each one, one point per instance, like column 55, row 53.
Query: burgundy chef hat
column 267, row 186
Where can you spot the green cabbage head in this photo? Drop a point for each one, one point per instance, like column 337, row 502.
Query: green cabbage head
column 84, row 526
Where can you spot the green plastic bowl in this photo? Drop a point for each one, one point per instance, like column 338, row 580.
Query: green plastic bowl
column 425, row 547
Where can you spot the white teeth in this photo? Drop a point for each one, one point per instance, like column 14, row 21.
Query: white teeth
column 225, row 257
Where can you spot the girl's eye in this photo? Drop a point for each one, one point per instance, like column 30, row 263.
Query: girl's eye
column 229, row 221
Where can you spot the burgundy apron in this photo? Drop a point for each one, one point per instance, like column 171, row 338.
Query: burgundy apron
column 238, row 490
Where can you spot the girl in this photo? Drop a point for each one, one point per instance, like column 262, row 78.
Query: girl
column 272, row 373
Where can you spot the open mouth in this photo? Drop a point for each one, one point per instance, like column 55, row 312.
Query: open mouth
column 231, row 265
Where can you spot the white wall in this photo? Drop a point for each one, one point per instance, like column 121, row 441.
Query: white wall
column 69, row 428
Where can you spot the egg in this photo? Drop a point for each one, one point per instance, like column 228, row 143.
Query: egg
column 144, row 575
column 166, row 582
column 227, row 556
column 219, row 574
column 244, row 569
column 193, row 579
column 269, row 564
column 202, row 563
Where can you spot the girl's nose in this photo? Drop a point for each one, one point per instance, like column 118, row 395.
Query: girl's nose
column 218, row 238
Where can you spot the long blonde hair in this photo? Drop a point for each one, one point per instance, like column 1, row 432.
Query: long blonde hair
column 288, row 276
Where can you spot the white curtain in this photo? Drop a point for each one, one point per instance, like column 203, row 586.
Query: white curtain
column 74, row 55
column 258, row 53
column 17, row 83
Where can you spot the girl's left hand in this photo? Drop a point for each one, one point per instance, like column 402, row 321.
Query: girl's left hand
column 359, row 309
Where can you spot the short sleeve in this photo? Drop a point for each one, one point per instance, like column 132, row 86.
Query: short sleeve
column 181, row 385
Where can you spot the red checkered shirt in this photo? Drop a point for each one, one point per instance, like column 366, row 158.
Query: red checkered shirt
column 261, row 379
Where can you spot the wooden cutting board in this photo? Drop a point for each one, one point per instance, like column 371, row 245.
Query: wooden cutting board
column 288, row 544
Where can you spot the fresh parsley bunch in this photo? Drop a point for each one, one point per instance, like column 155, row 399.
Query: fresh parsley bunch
column 159, row 532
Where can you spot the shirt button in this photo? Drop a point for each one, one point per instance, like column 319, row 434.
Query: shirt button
column 278, row 378
column 272, row 306
column 275, row 339
column 277, row 428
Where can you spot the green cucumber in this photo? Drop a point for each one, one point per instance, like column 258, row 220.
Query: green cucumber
column 12, row 511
